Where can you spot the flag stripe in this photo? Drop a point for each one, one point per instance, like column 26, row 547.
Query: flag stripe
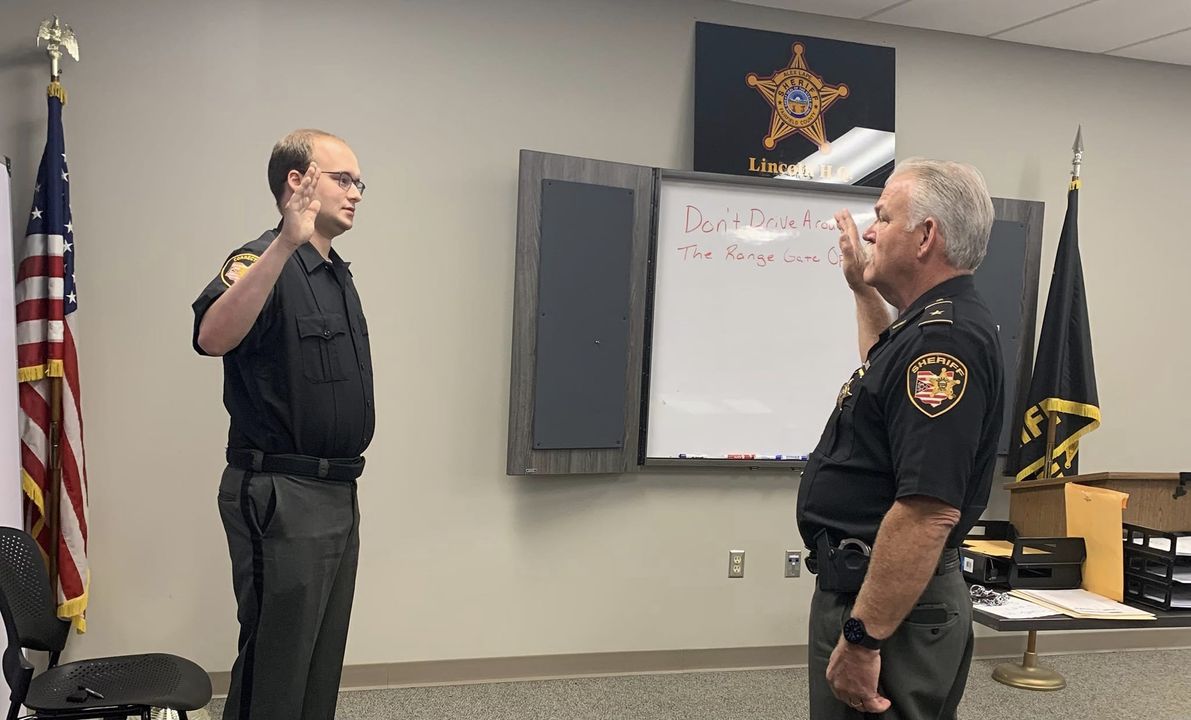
column 39, row 288
column 36, row 265
column 35, row 309
column 42, row 244
column 34, row 331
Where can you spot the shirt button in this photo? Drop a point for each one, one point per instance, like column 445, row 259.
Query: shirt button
column 326, row 333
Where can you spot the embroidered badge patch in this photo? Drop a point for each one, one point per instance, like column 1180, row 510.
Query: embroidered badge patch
column 236, row 266
column 936, row 382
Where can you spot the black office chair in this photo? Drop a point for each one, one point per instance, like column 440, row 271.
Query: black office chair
column 114, row 687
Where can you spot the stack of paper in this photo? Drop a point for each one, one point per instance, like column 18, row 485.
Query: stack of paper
column 1083, row 604
column 1016, row 608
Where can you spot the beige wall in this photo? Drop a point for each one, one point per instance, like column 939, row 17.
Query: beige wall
column 171, row 117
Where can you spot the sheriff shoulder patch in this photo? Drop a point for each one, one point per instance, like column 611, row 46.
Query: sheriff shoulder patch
column 935, row 383
column 236, row 267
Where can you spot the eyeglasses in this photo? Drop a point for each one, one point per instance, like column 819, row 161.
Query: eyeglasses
column 345, row 180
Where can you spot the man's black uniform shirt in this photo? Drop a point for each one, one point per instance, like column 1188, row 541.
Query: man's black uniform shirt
column 922, row 416
column 301, row 381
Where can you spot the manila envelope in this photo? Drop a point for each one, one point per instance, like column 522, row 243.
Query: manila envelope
column 1094, row 513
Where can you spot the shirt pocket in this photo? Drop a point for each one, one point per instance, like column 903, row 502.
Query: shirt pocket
column 324, row 346
column 841, row 437
column 842, row 425
column 367, row 344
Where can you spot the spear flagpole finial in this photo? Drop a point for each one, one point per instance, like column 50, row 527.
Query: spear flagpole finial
column 1077, row 149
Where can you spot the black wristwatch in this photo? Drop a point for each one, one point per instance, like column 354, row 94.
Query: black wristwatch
column 855, row 633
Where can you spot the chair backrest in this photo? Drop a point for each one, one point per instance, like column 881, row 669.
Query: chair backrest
column 18, row 671
column 25, row 585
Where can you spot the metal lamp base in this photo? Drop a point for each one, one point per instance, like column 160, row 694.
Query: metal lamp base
column 1029, row 675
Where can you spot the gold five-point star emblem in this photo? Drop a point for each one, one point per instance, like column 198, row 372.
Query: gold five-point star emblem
column 799, row 98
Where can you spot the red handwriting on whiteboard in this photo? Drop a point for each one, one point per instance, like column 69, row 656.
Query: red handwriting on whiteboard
column 698, row 221
column 692, row 252
column 792, row 257
column 760, row 259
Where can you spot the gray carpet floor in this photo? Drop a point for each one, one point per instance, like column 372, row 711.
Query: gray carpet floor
column 1153, row 685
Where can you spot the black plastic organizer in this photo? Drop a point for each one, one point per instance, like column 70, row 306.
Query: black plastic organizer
column 1038, row 563
column 1150, row 571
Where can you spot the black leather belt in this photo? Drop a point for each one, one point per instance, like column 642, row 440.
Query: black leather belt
column 341, row 469
column 841, row 568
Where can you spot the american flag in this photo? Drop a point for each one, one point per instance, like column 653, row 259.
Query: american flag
column 46, row 308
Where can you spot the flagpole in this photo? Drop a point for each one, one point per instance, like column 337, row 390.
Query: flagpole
column 1030, row 675
column 55, row 479
column 53, row 511
column 1052, row 419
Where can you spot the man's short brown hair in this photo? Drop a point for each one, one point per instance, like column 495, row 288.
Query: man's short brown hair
column 292, row 152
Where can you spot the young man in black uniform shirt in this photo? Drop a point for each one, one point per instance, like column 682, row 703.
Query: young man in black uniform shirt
column 905, row 464
column 285, row 316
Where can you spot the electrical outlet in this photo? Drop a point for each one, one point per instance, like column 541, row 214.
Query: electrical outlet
column 793, row 563
column 735, row 563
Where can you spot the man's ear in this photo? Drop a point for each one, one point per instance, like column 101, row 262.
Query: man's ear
column 930, row 237
column 294, row 179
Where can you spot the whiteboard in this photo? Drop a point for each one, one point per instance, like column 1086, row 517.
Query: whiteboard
column 753, row 325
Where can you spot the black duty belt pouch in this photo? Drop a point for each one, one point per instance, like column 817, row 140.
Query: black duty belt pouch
column 841, row 569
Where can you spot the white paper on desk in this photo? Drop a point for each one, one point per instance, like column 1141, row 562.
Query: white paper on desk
column 1081, row 602
column 1016, row 608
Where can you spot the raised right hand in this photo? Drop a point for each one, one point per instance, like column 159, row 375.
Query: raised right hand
column 301, row 210
column 853, row 259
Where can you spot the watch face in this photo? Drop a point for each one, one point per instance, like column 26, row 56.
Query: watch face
column 854, row 630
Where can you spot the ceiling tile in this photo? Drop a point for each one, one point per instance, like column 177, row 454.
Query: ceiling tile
column 834, row 8
column 1174, row 48
column 1105, row 25
column 971, row 17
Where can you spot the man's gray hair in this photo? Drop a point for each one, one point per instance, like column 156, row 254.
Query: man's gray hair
column 954, row 194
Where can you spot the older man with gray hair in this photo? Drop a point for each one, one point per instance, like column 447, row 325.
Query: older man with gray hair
column 905, row 464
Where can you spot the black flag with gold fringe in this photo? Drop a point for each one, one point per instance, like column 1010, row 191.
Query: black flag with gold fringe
column 1063, row 385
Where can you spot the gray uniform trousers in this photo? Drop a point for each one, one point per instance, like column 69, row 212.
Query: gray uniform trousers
column 294, row 543
column 924, row 666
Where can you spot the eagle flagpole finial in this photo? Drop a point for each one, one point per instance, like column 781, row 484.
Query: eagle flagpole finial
column 58, row 37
